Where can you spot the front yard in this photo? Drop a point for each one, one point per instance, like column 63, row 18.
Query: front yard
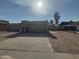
column 62, row 42
column 65, row 42
column 3, row 35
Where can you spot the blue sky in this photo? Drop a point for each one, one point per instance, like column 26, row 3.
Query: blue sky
column 17, row 10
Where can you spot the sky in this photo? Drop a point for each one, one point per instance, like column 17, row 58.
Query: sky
column 38, row 10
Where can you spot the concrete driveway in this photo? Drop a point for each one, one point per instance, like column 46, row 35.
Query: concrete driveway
column 29, row 48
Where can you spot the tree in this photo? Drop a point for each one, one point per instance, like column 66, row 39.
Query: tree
column 56, row 18
column 51, row 21
column 71, row 22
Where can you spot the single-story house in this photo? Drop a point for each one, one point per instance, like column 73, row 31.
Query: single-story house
column 14, row 27
column 73, row 26
column 3, row 25
column 34, row 26
column 29, row 26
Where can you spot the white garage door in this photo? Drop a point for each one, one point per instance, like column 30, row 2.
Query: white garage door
column 37, row 28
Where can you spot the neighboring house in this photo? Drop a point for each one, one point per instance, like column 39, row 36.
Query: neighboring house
column 3, row 25
column 73, row 26
column 14, row 27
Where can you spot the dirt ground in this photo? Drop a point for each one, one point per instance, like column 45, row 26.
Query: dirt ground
column 65, row 42
column 3, row 35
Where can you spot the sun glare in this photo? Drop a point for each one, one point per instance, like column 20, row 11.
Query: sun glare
column 39, row 7
column 39, row 4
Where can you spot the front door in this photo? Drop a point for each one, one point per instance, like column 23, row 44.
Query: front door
column 24, row 30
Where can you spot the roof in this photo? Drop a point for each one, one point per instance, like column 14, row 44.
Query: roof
column 3, row 22
column 69, row 23
column 64, row 23
column 34, row 22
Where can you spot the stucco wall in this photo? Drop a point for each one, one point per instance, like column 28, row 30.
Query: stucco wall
column 77, row 27
column 37, row 28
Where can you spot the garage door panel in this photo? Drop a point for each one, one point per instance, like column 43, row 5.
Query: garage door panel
column 36, row 28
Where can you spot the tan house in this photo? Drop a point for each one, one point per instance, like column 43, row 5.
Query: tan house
column 34, row 26
column 29, row 26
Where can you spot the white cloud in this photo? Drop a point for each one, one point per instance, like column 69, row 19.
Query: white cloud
column 33, row 4
column 48, row 5
column 25, row 2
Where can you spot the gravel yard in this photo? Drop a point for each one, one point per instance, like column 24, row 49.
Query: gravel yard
column 65, row 42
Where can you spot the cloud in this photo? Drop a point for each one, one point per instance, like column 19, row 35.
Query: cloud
column 31, row 2
column 49, row 5
column 22, row 2
column 25, row 2
column 33, row 5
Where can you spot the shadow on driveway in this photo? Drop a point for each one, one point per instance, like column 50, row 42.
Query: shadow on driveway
column 19, row 34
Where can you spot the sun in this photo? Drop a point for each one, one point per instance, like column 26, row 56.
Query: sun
column 39, row 7
column 39, row 4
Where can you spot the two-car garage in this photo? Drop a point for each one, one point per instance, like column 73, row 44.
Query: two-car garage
column 35, row 26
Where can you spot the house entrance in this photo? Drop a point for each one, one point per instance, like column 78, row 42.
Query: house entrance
column 24, row 30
